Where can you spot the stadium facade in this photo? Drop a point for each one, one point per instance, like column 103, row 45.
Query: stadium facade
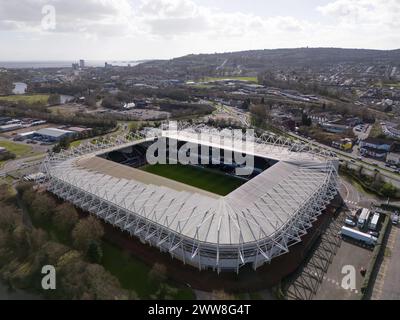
column 252, row 225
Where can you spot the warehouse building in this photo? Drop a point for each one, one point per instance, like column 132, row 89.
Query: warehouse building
column 52, row 134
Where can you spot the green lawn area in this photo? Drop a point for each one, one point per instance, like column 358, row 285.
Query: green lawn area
column 8, row 181
column 206, row 179
column 20, row 150
column 376, row 131
column 249, row 79
column 132, row 273
column 202, row 86
column 388, row 84
column 75, row 144
column 30, row 98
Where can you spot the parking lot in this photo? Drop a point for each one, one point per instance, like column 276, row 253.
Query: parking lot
column 322, row 274
column 350, row 254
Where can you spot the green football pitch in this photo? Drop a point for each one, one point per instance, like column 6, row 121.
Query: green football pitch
column 205, row 179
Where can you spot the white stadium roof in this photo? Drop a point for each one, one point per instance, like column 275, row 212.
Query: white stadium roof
column 263, row 210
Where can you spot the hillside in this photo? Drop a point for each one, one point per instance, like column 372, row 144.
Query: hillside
column 256, row 61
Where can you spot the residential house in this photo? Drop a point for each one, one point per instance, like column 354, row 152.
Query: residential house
column 344, row 144
column 393, row 158
column 375, row 148
column 335, row 127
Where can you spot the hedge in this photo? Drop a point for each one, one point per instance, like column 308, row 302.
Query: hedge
column 390, row 207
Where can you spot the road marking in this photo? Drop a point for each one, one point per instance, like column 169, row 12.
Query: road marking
column 347, row 189
column 351, row 202
column 338, row 285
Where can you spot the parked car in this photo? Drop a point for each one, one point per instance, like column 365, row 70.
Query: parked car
column 395, row 218
column 374, row 234
column 350, row 222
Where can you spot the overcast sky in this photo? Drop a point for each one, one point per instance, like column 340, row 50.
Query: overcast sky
column 147, row 29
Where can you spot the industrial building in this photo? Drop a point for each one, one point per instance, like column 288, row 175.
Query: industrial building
column 53, row 134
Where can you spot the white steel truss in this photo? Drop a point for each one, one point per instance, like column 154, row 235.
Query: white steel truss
column 252, row 225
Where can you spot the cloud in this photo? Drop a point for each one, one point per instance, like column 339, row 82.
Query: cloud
column 172, row 17
column 87, row 16
column 160, row 18
column 142, row 27
column 365, row 13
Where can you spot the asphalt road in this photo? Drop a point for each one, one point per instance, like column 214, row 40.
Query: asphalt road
column 23, row 163
column 356, row 198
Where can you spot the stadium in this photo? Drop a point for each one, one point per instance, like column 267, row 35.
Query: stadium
column 204, row 215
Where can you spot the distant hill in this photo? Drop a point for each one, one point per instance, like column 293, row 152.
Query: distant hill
column 259, row 60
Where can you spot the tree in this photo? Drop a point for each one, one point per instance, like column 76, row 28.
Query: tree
column 388, row 190
column 111, row 102
column 360, row 171
column 158, row 273
column 24, row 187
column 221, row 295
column 259, row 115
column 80, row 280
column 246, row 104
column 42, row 208
column 54, row 99
column 378, row 182
column 65, row 218
column 95, row 252
column 85, row 232
column 164, row 292
column 90, row 101
column 306, row 120
column 4, row 156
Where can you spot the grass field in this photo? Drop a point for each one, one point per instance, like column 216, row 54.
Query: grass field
column 388, row 85
column 31, row 99
column 75, row 144
column 205, row 179
column 249, row 79
column 203, row 86
column 376, row 131
column 19, row 150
